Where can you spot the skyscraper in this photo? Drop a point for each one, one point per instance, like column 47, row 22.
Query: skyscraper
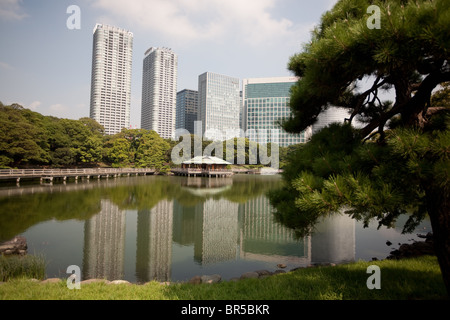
column 329, row 116
column 219, row 106
column 187, row 110
column 265, row 102
column 159, row 91
column 111, row 77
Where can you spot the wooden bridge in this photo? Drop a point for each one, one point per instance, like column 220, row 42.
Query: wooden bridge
column 64, row 174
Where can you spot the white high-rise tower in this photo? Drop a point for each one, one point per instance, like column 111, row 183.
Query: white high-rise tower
column 159, row 91
column 111, row 77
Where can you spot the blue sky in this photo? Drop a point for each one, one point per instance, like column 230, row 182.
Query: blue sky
column 46, row 67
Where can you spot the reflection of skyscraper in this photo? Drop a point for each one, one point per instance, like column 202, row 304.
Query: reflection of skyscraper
column 154, row 243
column 219, row 235
column 334, row 240
column 104, row 243
column 264, row 239
column 184, row 224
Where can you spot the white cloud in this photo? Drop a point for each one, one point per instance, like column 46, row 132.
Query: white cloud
column 58, row 107
column 34, row 105
column 11, row 10
column 58, row 110
column 249, row 21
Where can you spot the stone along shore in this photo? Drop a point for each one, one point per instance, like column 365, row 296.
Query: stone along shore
column 18, row 246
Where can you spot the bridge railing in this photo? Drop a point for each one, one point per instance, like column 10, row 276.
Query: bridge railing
column 52, row 172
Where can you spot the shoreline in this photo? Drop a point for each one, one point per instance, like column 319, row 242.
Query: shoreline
column 406, row 250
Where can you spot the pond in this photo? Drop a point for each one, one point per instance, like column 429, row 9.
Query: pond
column 169, row 228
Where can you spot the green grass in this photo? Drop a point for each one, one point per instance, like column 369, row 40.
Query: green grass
column 418, row 278
column 29, row 266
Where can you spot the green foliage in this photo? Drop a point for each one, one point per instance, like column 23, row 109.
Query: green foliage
column 244, row 148
column 29, row 138
column 119, row 153
column 398, row 161
column 28, row 266
column 410, row 48
column 409, row 279
column 21, row 140
column 335, row 172
column 152, row 151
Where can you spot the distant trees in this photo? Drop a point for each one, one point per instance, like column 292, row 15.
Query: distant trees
column 21, row 137
column 28, row 138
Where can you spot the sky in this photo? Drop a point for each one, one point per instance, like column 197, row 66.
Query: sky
column 46, row 66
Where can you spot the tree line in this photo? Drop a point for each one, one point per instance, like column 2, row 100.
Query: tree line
column 30, row 139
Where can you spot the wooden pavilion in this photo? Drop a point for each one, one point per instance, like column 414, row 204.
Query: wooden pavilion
column 204, row 166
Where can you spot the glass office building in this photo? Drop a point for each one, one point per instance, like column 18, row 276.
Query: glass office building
column 187, row 107
column 266, row 101
column 111, row 77
column 219, row 106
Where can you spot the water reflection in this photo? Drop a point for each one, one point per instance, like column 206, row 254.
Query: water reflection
column 263, row 239
column 218, row 230
column 177, row 227
column 154, row 242
column 334, row 240
column 104, row 243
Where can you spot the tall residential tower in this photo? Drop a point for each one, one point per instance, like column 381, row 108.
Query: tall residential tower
column 111, row 77
column 159, row 91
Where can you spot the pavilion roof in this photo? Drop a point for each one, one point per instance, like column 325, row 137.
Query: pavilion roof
column 206, row 160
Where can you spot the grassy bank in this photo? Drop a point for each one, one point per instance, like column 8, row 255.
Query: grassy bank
column 418, row 278
column 29, row 266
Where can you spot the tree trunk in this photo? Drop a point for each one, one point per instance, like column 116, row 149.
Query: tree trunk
column 438, row 206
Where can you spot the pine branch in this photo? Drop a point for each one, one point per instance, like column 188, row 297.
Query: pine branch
column 413, row 105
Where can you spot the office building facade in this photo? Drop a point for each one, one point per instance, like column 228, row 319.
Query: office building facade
column 329, row 116
column 159, row 91
column 219, row 106
column 111, row 77
column 265, row 102
column 187, row 110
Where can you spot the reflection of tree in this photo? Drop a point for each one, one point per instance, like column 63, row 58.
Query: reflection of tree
column 17, row 214
column 141, row 194
column 243, row 188
column 250, row 187
column 82, row 201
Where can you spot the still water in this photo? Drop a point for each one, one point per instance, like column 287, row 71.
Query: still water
column 174, row 228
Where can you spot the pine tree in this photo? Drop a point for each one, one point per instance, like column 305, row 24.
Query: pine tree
column 398, row 161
